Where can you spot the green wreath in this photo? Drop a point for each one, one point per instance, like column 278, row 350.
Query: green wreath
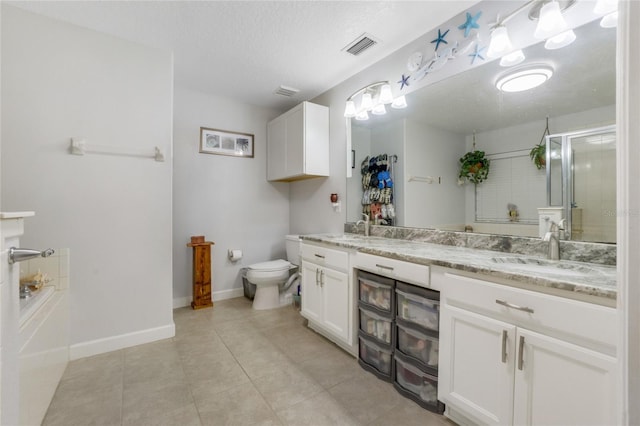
column 474, row 166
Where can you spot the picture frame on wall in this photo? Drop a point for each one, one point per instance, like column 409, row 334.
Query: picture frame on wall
column 225, row 142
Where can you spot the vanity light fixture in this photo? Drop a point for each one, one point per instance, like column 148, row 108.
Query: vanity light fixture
column 373, row 98
column 561, row 40
column 608, row 8
column 523, row 79
column 399, row 102
column 500, row 43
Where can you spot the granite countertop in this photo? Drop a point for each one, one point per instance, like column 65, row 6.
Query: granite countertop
column 581, row 278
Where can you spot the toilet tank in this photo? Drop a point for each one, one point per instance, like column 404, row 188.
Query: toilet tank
column 292, row 243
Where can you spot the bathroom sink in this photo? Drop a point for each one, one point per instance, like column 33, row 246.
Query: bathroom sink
column 532, row 264
column 346, row 237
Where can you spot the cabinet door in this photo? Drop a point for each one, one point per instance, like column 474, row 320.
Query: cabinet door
column 560, row 383
column 295, row 143
column 477, row 359
column 336, row 312
column 276, row 149
column 311, row 300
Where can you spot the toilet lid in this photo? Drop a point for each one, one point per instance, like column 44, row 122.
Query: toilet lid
column 272, row 265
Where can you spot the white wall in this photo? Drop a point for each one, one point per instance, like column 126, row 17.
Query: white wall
column 113, row 212
column 435, row 153
column 226, row 199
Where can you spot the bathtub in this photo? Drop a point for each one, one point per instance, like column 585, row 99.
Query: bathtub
column 44, row 350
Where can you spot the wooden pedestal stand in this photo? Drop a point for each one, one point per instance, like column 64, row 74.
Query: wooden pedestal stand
column 201, row 272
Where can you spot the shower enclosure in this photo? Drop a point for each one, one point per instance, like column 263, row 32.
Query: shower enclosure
column 581, row 178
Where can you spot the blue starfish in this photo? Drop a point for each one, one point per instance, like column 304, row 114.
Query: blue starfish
column 440, row 39
column 470, row 23
column 477, row 53
column 404, row 81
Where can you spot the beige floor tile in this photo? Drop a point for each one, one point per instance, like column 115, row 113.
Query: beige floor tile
column 239, row 405
column 286, row 387
column 263, row 362
column 95, row 369
column 140, row 402
column 331, row 368
column 366, row 397
column 408, row 413
column 320, row 409
column 102, row 406
column 215, row 377
column 186, row 415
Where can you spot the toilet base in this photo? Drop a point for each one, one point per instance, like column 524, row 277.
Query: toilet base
column 266, row 297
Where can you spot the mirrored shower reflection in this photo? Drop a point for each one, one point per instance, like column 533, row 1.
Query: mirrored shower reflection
column 588, row 195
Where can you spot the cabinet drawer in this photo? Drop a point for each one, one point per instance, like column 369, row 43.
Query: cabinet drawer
column 325, row 256
column 376, row 357
column 376, row 292
column 418, row 345
column 416, row 384
column 376, row 326
column 393, row 268
column 583, row 323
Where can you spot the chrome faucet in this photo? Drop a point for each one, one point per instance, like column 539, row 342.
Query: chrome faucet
column 553, row 237
column 365, row 222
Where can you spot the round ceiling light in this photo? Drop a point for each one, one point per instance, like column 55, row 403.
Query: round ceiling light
column 524, row 79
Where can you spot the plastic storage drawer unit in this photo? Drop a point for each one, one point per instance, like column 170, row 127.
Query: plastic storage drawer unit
column 417, row 345
column 376, row 292
column 376, row 326
column 375, row 358
column 416, row 384
column 420, row 306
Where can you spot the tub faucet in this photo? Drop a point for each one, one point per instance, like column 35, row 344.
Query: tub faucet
column 553, row 237
column 365, row 222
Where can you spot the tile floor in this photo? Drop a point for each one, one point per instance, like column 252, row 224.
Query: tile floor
column 231, row 365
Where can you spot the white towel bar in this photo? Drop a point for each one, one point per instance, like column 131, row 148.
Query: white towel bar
column 81, row 147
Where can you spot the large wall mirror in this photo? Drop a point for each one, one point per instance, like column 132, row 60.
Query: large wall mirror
column 448, row 118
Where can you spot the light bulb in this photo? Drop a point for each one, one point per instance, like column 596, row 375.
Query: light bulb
column 367, row 102
column 550, row 21
column 362, row 116
column 561, row 40
column 399, row 102
column 610, row 20
column 386, row 97
column 500, row 43
column 513, row 58
column 604, row 7
column 350, row 109
column 379, row 109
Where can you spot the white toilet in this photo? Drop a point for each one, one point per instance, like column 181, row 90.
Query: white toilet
column 268, row 276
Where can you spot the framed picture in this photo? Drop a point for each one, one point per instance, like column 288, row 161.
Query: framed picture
column 224, row 142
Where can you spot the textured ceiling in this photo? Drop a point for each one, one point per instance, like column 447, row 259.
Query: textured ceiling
column 246, row 49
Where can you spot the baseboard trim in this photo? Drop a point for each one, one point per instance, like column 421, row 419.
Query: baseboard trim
column 181, row 302
column 108, row 344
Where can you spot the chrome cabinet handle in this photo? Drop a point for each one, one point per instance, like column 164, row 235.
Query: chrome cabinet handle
column 521, row 354
column 319, row 256
column 389, row 268
column 321, row 278
column 512, row 306
column 317, row 272
column 504, row 346
column 20, row 254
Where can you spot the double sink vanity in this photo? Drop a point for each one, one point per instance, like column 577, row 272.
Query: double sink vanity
column 522, row 339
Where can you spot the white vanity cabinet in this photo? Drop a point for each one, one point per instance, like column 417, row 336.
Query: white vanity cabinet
column 298, row 143
column 327, row 293
column 514, row 356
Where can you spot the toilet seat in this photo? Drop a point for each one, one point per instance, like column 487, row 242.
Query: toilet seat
column 273, row 272
column 271, row 265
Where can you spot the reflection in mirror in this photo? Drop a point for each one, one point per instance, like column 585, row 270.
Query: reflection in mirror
column 437, row 129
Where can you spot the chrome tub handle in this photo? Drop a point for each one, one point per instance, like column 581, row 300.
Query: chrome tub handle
column 20, row 254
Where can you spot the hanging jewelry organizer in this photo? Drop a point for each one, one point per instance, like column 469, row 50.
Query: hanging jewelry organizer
column 377, row 188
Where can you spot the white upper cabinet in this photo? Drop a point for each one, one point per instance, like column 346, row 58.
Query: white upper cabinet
column 298, row 143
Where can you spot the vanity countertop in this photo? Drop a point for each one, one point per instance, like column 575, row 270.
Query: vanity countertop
column 578, row 278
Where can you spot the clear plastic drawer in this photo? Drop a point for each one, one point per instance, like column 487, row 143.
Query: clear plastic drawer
column 375, row 356
column 376, row 326
column 418, row 310
column 418, row 345
column 418, row 383
column 376, row 294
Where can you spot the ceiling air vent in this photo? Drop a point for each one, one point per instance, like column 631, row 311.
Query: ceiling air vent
column 359, row 45
column 286, row 91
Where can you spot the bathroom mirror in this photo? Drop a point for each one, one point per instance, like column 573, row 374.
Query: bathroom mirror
column 443, row 120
